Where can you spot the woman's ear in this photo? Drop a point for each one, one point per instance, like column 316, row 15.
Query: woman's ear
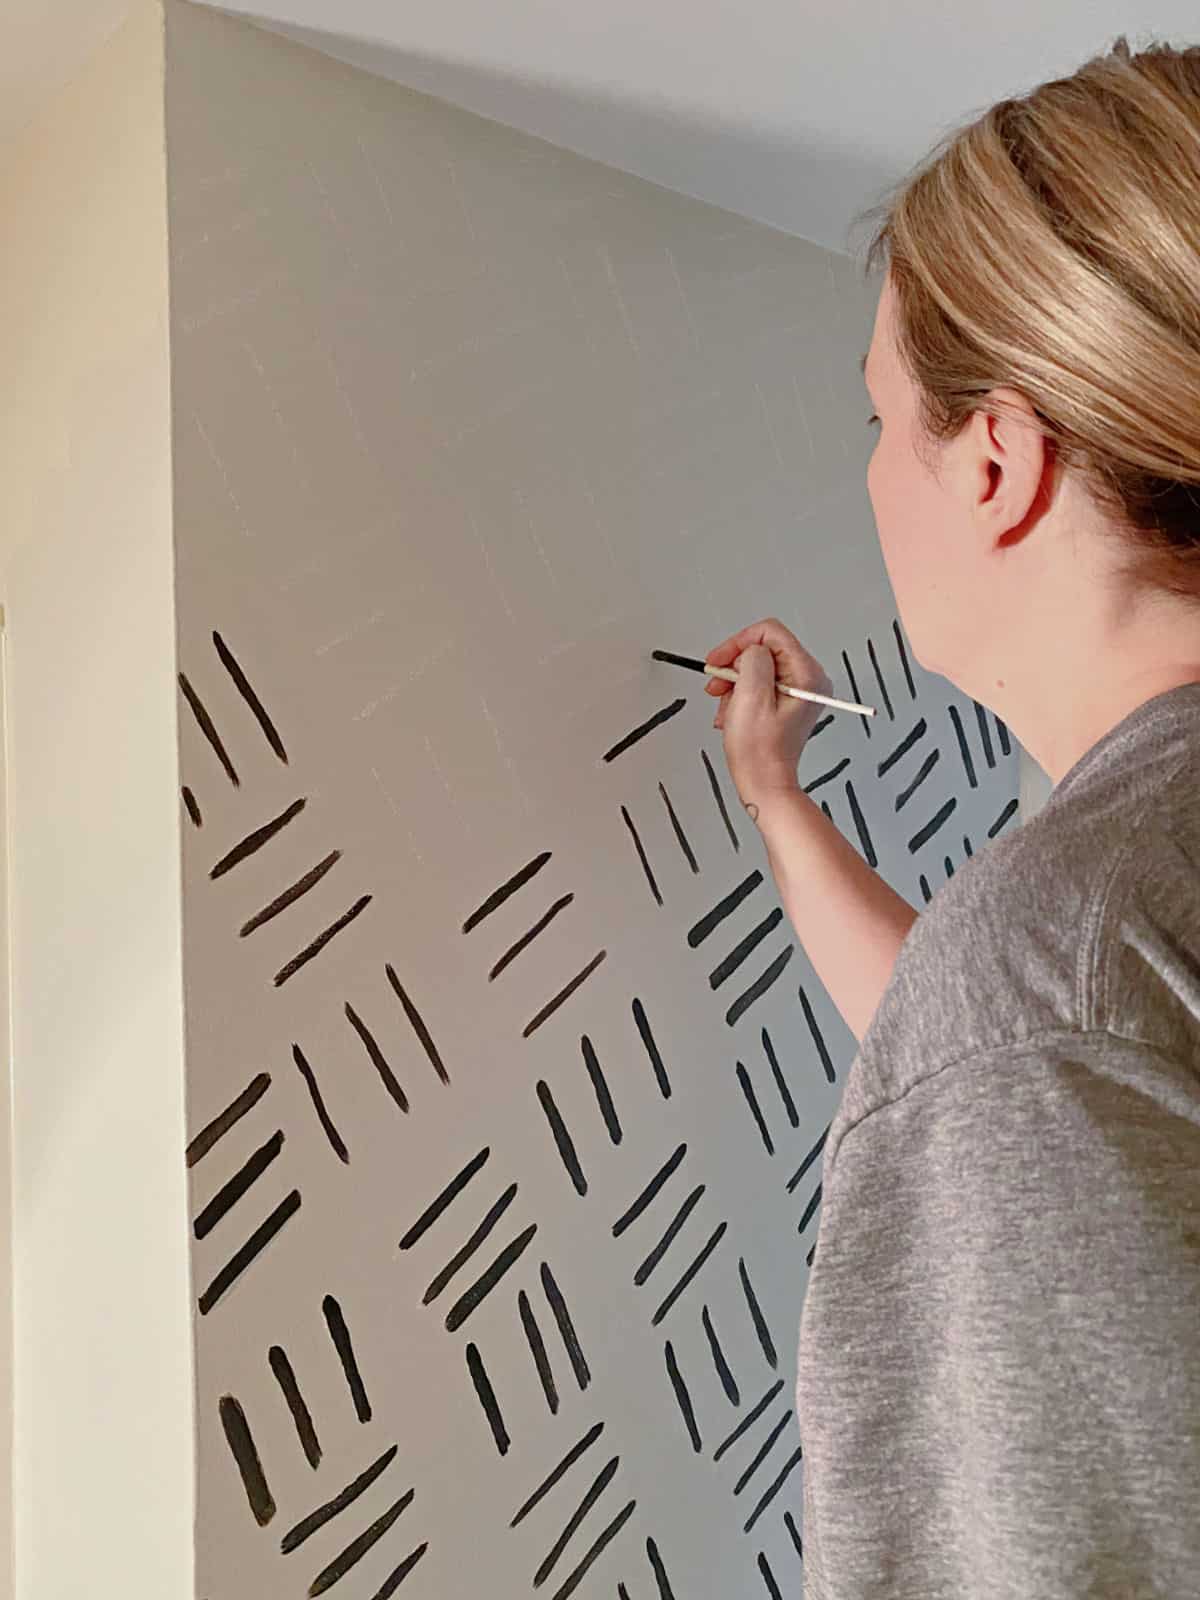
column 1009, row 462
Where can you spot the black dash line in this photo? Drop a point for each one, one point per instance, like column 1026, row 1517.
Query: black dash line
column 552, row 1006
column 528, row 938
column 931, row 827
column 500, row 895
column 640, row 732
column 768, row 1577
column 377, row 1057
column 912, row 688
column 1005, row 746
column 1002, row 818
column 418, row 1025
column 860, row 822
column 244, row 688
column 304, row 1529
column 193, row 809
column 230, row 1193
column 818, row 1038
column 660, row 1249
column 717, row 1235
column 827, row 777
column 322, row 939
column 760, row 986
column 208, row 728
column 756, row 1316
column 357, row 1549
column 743, row 1077
column 748, row 1420
column 257, row 838
column 905, row 745
column 787, row 1470
column 610, row 1533
column 603, row 1098
column 285, row 1377
column 810, row 1209
column 785, row 1094
column 245, row 1455
column 323, row 1117
column 257, row 1241
column 487, row 1398
column 301, row 886
column 394, row 1580
column 487, row 1281
column 651, row 1047
column 963, row 748
column 723, row 908
column 808, row 1161
column 340, row 1334
column 598, row 1485
column 789, row 1523
column 659, row 1571
column 854, row 694
column 985, row 734
column 927, row 766
column 233, row 1112
column 537, row 1349
column 567, row 1462
column 683, row 1398
column 746, row 947
column 887, row 699
column 649, row 1192
column 763, row 1451
column 728, row 1382
column 819, row 727
column 461, row 1257
column 689, row 853
column 566, row 1327
column 452, row 1190
column 638, row 846
column 720, row 799
column 562, row 1138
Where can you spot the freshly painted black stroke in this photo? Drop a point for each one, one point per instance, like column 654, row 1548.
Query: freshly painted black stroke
column 563, row 995
column 461, row 1257
column 768, row 1577
column 1002, row 818
column 651, row 1048
column 304, row 1529
column 818, row 1038
column 809, row 1257
column 230, row 1193
column 417, row 1023
column 567, row 1462
column 912, row 688
column 826, row 810
column 193, row 809
column 756, row 1316
column 255, row 839
column 242, row 1258
column 785, row 1094
column 682, row 1398
column 728, row 1381
column 681, row 837
column 233, row 1113
column 819, row 727
column 931, row 827
column 789, row 1466
column 860, row 822
column 562, row 1137
column 1003, row 733
column 580, row 1572
column 726, row 969
column 760, row 986
column 827, row 777
column 301, row 886
column 743, row 1078
column 377, row 1058
column 597, row 1487
column 241, row 1444
column 454, row 1188
column 967, row 851
column 285, row 1377
column 714, row 1240
column 812, row 1155
column 949, row 867
column 357, row 1548
column 207, row 728
column 660, row 1571
column 720, row 798
column 883, row 688
column 637, row 844
column 487, row 1281
column 323, row 1117
column 393, row 1581
column 649, row 1192
column 599, row 1083
column 810, row 1209
column 537, row 1349
column 246, row 690
column 335, row 1321
column 963, row 748
column 854, row 694
column 905, row 745
column 723, row 908
column 640, row 732
column 510, row 887
column 487, row 1398
column 566, row 1327
column 925, row 889
column 322, row 939
column 748, row 1420
column 985, row 734
column 763, row 1451
column 927, row 766
column 789, row 1523
column 527, row 939
column 663, row 1245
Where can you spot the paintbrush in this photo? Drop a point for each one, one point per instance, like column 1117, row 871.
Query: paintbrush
column 731, row 676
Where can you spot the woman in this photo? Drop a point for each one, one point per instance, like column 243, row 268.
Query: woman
column 999, row 1365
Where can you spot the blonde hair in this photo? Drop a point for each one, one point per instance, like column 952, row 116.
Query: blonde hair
column 1053, row 245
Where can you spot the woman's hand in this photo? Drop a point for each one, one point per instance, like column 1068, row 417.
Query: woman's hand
column 764, row 732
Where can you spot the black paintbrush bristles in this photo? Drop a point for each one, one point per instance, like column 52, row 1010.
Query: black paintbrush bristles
column 678, row 661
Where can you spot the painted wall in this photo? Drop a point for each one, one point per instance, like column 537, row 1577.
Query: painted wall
column 103, row 1466
column 507, row 1084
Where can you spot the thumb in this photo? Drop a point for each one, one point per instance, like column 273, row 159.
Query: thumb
column 756, row 672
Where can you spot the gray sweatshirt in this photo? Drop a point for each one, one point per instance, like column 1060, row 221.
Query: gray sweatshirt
column 998, row 1388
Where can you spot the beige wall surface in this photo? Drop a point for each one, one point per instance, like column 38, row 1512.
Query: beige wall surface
column 103, row 1463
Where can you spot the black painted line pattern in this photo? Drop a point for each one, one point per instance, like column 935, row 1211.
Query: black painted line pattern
column 912, row 688
column 651, row 1048
column 301, row 887
column 246, row 690
column 819, row 727
column 650, row 1191
column 743, row 1078
column 903, row 747
column 230, row 1193
column 728, row 1382
column 786, row 1472
column 600, row 1084
column 963, row 748
column 495, row 900
column 245, row 1454
column 756, row 1316
column 949, row 867
column 357, row 1548
column 562, row 1138
column 760, row 986
column 659, row 1570
column 377, row 1058
column 812, row 1155
column 487, row 1281
column 927, row 766
column 925, row 889
column 598, row 1545
column 254, row 1245
column 860, row 823
column 1002, row 818
column 1003, row 733
column 563, row 995
column 985, row 734
column 452, row 1190
column 748, row 1420
column 393, row 1582
column 233, row 1113
column 644, row 728
column 923, row 835
column 715, row 786
column 661, row 1248
column 336, row 1142
column 461, row 1257
column 818, row 1037
column 681, row 837
column 723, row 909
column 527, row 939
column 744, row 948
column 763, row 1451
column 828, row 777
column 826, row 810
column 309, row 1525
column 417, row 1022
column 967, row 851
column 810, row 1209
column 566, row 1327
column 768, row 1577
column 887, row 699
column 285, row 1377
column 208, row 728
column 638, row 846
column 597, row 1487
column 785, row 1094
column 487, row 1398
column 256, row 838
column 537, row 1349
column 564, row 1466
column 322, row 939
column 794, row 1532
column 854, row 694
column 335, row 1321
column 193, row 809
column 682, row 1398
column 714, row 1240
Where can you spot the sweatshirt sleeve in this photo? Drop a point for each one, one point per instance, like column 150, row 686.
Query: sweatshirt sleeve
column 999, row 1385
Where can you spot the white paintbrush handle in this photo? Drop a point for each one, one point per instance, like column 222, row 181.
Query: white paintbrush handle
column 731, row 676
